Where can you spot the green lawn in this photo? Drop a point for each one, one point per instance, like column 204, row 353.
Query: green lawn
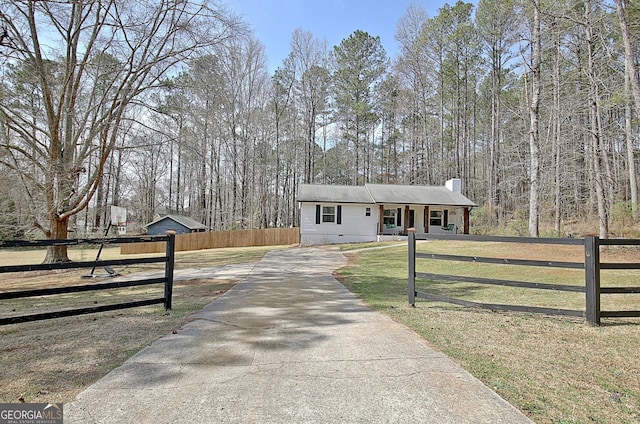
column 555, row 369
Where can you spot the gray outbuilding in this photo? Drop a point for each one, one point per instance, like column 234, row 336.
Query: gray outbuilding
column 178, row 223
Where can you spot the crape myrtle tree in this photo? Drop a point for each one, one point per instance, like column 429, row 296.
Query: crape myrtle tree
column 72, row 70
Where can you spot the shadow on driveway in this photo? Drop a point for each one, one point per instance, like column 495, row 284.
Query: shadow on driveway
column 289, row 343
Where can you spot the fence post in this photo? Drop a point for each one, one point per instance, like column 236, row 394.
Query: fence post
column 168, row 269
column 411, row 233
column 592, row 279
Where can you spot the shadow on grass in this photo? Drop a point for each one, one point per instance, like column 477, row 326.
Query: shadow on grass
column 458, row 290
column 620, row 322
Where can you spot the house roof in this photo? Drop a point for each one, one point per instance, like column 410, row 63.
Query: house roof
column 383, row 194
column 182, row 220
column 333, row 193
column 417, row 195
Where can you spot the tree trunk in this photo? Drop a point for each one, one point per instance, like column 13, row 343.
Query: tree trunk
column 496, row 122
column 59, row 230
column 100, row 205
column 631, row 67
column 632, row 85
column 631, row 163
column 557, row 145
column 595, row 129
column 534, row 131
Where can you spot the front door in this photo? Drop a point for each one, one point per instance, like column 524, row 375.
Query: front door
column 412, row 216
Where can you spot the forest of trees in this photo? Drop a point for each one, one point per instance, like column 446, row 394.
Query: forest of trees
column 532, row 103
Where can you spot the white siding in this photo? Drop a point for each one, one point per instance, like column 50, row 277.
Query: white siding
column 418, row 219
column 355, row 225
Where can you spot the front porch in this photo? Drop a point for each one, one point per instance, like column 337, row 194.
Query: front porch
column 395, row 220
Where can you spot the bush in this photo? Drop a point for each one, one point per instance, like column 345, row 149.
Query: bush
column 621, row 217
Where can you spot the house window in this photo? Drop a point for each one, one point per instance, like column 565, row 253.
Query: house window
column 390, row 218
column 435, row 218
column 328, row 214
column 367, row 212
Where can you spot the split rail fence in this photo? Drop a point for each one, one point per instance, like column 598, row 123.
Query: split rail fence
column 167, row 241
column 592, row 267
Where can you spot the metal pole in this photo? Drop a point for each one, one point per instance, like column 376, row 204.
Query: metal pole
column 168, row 269
column 93, row 270
column 592, row 279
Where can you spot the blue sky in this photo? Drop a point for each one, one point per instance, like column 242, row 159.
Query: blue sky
column 273, row 21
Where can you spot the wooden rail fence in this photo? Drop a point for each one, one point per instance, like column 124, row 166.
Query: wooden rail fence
column 220, row 239
column 592, row 266
column 167, row 241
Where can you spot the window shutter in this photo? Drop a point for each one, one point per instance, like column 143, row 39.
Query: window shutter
column 399, row 218
column 339, row 215
column 318, row 214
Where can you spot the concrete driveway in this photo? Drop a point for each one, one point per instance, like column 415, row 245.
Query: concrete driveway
column 289, row 344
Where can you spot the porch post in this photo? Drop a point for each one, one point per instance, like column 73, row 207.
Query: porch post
column 406, row 219
column 380, row 219
column 466, row 221
column 426, row 219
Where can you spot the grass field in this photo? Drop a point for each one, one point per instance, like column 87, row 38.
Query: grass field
column 556, row 370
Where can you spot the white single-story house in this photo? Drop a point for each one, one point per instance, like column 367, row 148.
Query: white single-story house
column 350, row 214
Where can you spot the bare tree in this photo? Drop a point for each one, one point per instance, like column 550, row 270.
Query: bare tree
column 534, row 120
column 598, row 155
column 417, row 71
column 633, row 81
column 282, row 83
column 496, row 28
column 85, row 93
column 308, row 57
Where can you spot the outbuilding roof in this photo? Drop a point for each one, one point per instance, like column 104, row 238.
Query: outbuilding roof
column 383, row 194
column 185, row 221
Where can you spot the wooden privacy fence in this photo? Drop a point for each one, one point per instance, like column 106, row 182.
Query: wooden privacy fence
column 221, row 239
column 592, row 266
column 167, row 241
